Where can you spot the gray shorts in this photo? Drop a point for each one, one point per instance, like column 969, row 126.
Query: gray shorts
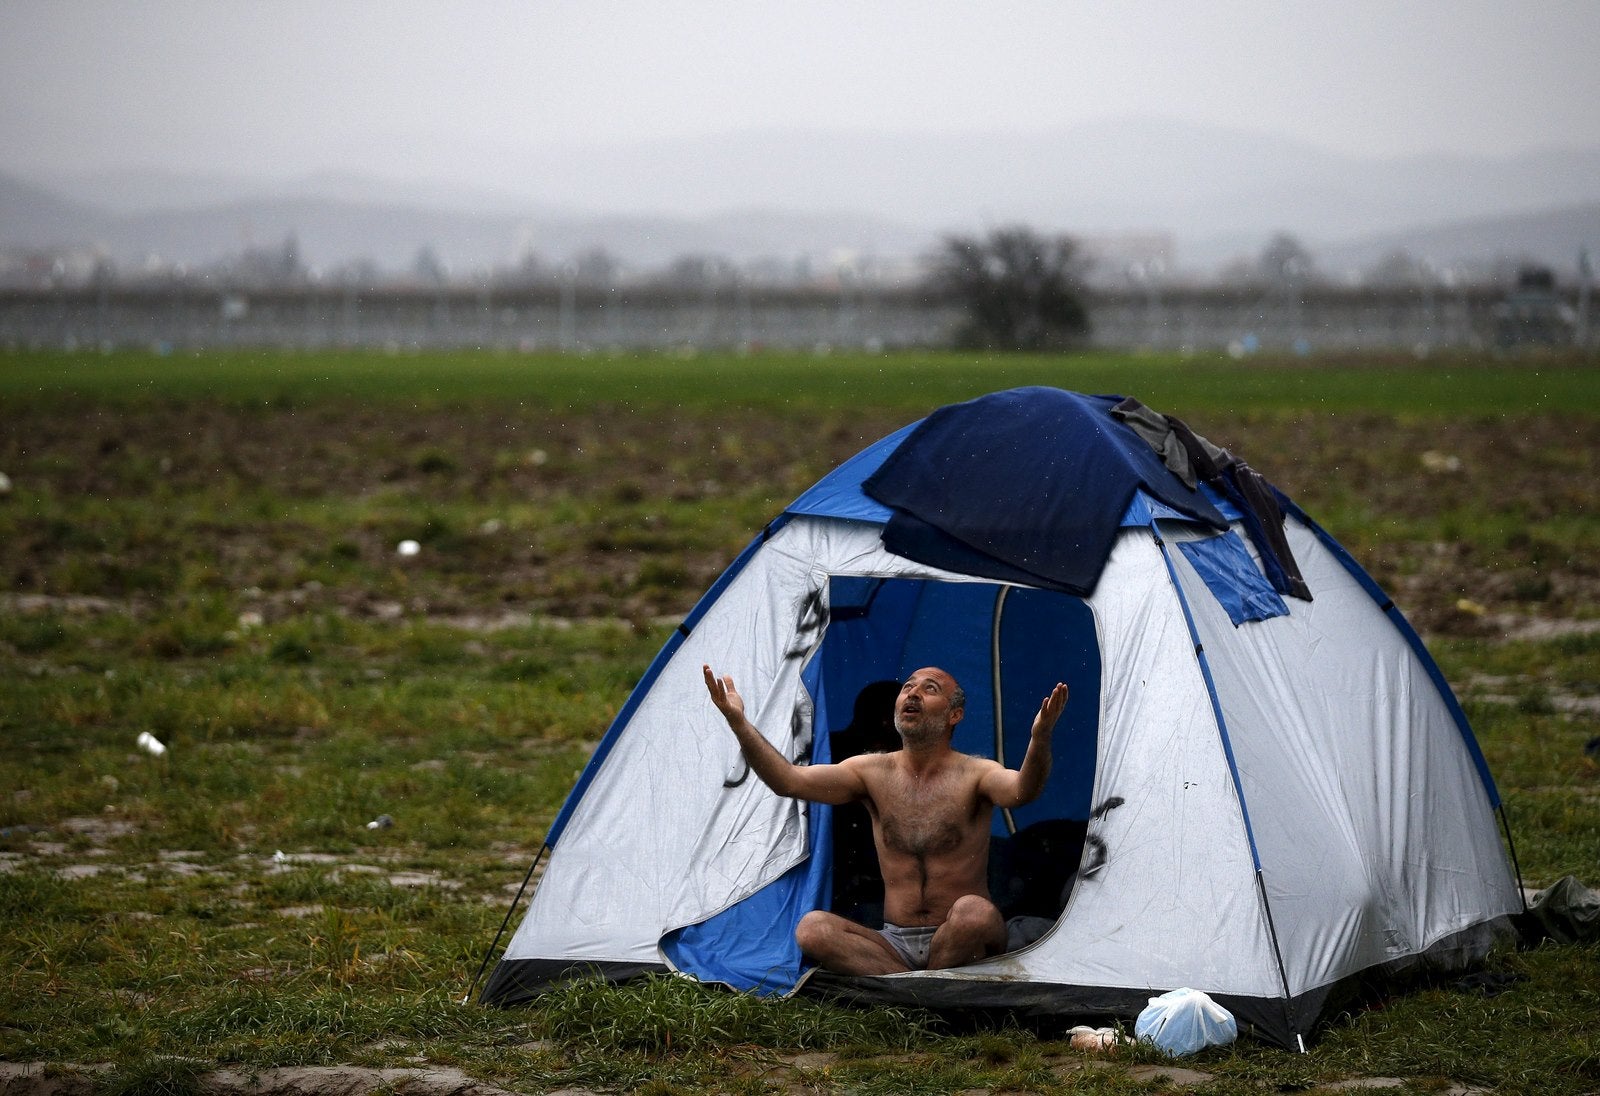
column 910, row 944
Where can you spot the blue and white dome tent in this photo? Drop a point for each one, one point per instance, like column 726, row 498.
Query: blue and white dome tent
column 1262, row 784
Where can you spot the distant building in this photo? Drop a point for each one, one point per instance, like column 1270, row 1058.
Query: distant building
column 1533, row 314
column 47, row 268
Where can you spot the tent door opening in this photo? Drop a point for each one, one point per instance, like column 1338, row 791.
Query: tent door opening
column 1007, row 646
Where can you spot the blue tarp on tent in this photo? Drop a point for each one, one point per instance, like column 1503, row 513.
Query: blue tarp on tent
column 1028, row 485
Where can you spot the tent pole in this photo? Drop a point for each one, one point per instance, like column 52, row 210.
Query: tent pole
column 1277, row 953
column 994, row 674
column 1516, row 868
column 467, row 997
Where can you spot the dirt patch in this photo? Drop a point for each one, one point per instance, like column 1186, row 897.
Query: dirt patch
column 613, row 513
column 798, row 1074
column 1542, row 628
column 408, row 472
column 17, row 1079
column 66, row 862
column 97, row 828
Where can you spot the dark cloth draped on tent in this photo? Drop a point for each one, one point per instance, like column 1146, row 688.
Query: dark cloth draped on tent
column 1027, row 485
column 1191, row 458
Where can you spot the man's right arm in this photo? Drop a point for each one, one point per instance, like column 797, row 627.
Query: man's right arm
column 834, row 784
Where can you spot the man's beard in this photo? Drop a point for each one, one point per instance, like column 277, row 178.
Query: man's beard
column 916, row 728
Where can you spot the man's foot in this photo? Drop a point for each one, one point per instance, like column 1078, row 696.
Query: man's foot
column 839, row 944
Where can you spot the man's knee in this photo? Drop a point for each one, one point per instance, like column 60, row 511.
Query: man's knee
column 814, row 931
column 975, row 915
column 973, row 931
column 978, row 920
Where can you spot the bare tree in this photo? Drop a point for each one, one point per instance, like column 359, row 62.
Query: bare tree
column 428, row 268
column 1285, row 261
column 1019, row 290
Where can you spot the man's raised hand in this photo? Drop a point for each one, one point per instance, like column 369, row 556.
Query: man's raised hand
column 1050, row 710
column 724, row 696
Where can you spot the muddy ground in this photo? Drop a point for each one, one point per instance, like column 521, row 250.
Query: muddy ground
column 1474, row 526
column 1483, row 527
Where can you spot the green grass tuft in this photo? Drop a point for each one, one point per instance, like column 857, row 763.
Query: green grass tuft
column 660, row 1014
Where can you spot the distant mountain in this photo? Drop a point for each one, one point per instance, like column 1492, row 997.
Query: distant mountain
column 331, row 231
column 328, row 232
column 145, row 191
column 33, row 217
column 1218, row 193
column 1122, row 175
column 1551, row 237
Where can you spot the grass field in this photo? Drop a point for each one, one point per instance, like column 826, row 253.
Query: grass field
column 1448, row 384
column 203, row 548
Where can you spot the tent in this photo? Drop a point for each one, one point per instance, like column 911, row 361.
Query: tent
column 1262, row 785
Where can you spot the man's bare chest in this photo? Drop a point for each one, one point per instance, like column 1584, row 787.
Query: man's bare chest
column 926, row 818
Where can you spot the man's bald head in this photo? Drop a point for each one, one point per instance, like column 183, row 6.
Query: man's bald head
column 930, row 704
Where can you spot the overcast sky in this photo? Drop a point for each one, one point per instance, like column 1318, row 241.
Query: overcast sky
column 434, row 91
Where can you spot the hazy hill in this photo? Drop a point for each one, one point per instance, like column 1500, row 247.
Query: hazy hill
column 1552, row 237
column 31, row 216
column 1219, row 193
column 336, row 230
column 1115, row 175
column 138, row 191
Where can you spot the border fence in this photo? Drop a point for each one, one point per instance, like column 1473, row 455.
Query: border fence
column 579, row 317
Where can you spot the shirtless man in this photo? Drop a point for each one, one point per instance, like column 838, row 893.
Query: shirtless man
column 931, row 809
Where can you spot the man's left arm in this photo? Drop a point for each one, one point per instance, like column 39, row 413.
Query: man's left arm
column 1012, row 788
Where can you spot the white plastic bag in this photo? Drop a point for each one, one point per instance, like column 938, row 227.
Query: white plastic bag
column 1184, row 1021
